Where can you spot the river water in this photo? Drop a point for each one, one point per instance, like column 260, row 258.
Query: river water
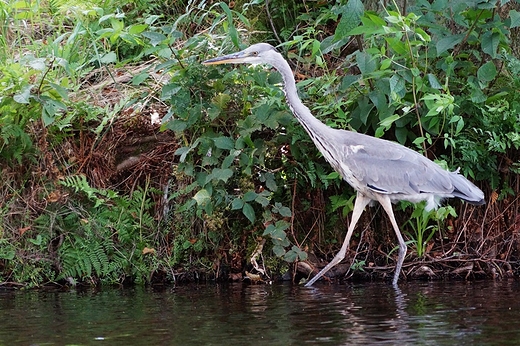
column 418, row 313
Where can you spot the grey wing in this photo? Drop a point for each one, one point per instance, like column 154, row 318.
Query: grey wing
column 387, row 167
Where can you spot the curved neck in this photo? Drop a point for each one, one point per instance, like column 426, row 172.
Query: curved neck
column 319, row 132
column 301, row 112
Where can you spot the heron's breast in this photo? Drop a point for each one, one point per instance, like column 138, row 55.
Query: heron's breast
column 341, row 166
column 349, row 177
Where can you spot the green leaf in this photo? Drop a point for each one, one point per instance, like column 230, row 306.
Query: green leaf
column 388, row 121
column 182, row 152
column 226, row 163
column 213, row 111
column 138, row 79
column 37, row 241
column 237, row 203
column 365, row 107
column 137, row 29
column 487, row 72
column 397, row 45
column 224, row 142
column 202, row 197
column 38, row 64
column 220, row 174
column 378, row 98
column 278, row 234
column 477, row 96
column 380, row 131
column 262, row 112
column 9, row 254
column 372, row 25
column 221, row 100
column 154, row 37
column 24, row 96
column 177, row 125
column 514, row 15
column 394, row 17
column 229, row 27
column 250, row 196
column 285, row 212
column 366, row 63
column 401, row 134
column 385, row 64
column 50, row 108
column 117, row 25
column 268, row 230
column 347, row 81
column 278, row 250
column 295, row 254
column 397, row 85
column 329, row 44
column 263, row 201
column 270, row 183
column 422, row 35
column 489, row 43
column 169, row 90
column 448, row 43
column 290, row 256
column 415, row 71
column 249, row 212
column 282, row 224
column 434, row 82
column 351, row 14
column 108, row 58
column 60, row 90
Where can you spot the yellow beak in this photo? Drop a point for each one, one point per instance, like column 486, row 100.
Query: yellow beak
column 234, row 58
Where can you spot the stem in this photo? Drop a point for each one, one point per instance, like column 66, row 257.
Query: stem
column 414, row 92
column 456, row 50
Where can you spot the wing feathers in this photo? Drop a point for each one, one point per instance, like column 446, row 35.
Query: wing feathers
column 387, row 167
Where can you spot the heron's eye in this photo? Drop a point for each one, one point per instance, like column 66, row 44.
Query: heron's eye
column 255, row 53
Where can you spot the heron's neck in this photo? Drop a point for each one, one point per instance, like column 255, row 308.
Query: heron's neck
column 320, row 133
column 300, row 111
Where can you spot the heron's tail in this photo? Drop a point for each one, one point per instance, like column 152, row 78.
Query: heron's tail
column 466, row 190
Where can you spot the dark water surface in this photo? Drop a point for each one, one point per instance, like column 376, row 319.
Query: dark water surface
column 419, row 313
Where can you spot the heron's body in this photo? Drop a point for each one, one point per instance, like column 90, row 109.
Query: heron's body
column 379, row 170
column 377, row 166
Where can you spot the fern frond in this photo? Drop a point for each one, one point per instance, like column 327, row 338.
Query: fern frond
column 80, row 184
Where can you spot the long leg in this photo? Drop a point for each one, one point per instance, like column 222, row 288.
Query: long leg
column 359, row 205
column 387, row 206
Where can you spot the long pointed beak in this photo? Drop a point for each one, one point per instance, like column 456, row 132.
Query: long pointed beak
column 234, row 58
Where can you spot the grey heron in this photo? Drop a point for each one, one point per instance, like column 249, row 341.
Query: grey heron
column 379, row 170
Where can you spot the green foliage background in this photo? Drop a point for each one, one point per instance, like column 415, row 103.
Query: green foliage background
column 238, row 167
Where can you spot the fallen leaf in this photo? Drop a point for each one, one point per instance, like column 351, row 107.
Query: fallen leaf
column 494, row 197
column 23, row 230
column 148, row 250
column 53, row 197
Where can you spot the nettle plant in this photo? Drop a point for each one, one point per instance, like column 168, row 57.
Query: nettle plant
column 233, row 126
column 233, row 148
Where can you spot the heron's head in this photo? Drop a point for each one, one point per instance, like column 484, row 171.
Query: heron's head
column 256, row 54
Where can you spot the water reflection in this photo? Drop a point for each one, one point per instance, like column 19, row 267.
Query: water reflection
column 422, row 313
